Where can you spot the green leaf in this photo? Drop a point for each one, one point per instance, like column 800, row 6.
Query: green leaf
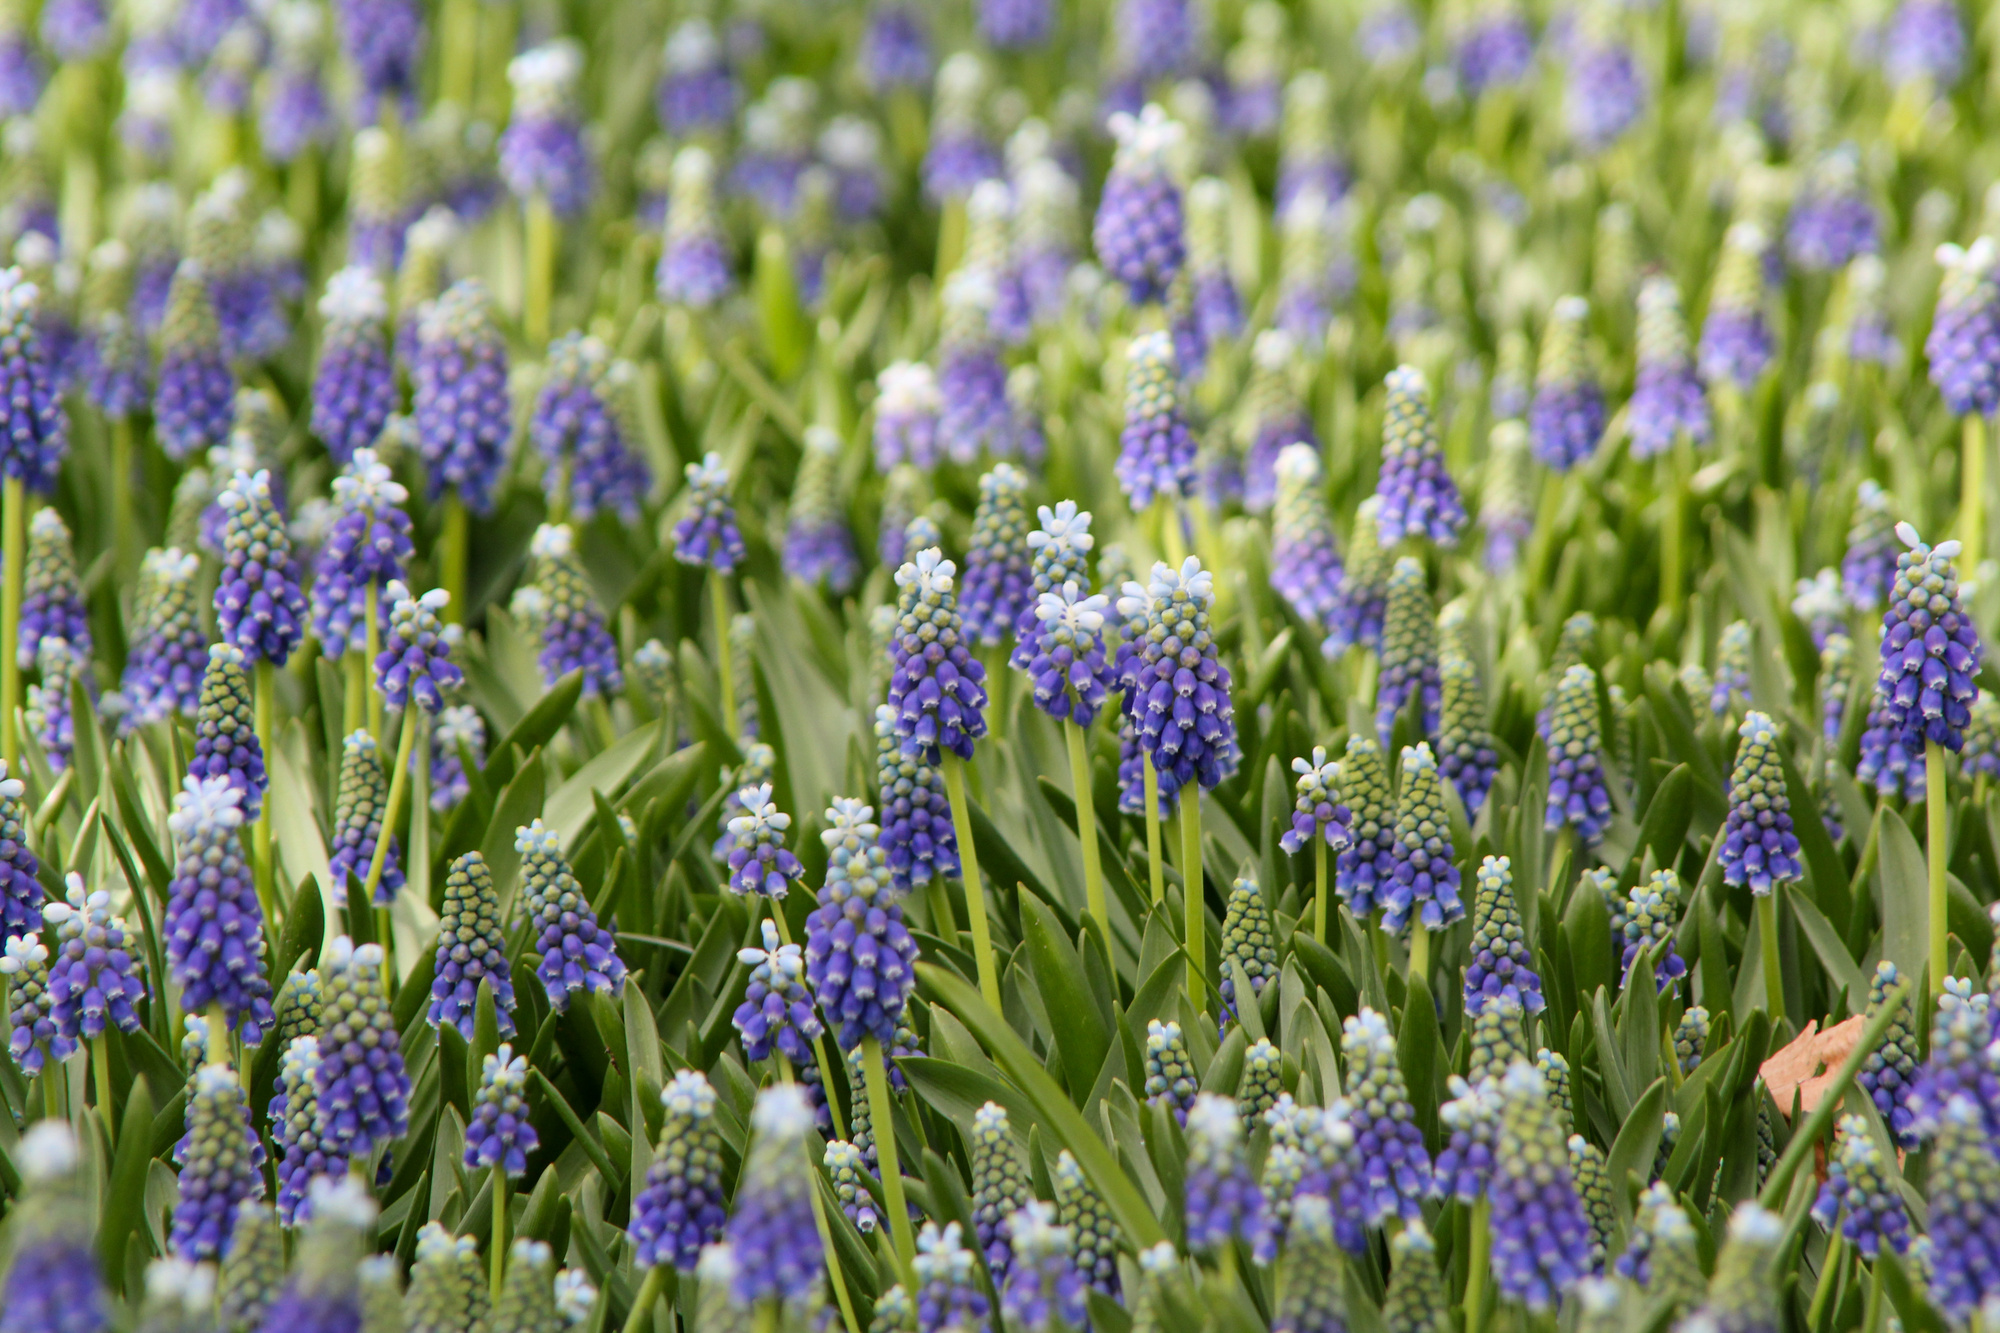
column 1905, row 896
column 1639, row 1019
column 518, row 805
column 1633, row 1151
column 125, row 1198
column 1080, row 1035
column 1610, row 1062
column 957, row 1092
column 1829, row 947
column 1417, row 1047
column 571, row 805
column 1586, row 930
column 1063, row 1121
column 1668, row 815
column 1823, row 864
column 535, row 730
column 1913, row 1308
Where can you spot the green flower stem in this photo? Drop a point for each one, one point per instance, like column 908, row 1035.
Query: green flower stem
column 975, row 892
column 302, row 190
column 1086, row 826
column 539, row 286
column 417, row 856
column 881, row 1112
column 1936, row 853
column 451, row 559
column 1972, row 522
column 391, row 808
column 1829, row 1270
column 1154, row 871
column 100, row 1066
column 1673, row 526
column 1195, row 934
column 354, row 707
column 458, row 51
column 943, row 923
column 13, row 565
column 499, row 1244
column 1420, row 951
column 266, row 704
column 1481, row 1258
column 819, row 1204
column 951, row 238
column 1774, row 977
column 121, row 492
column 1173, row 542
column 725, row 670
column 1873, row 1318
column 52, row 1098
column 373, row 651
column 600, row 717
column 1319, row 887
column 648, row 1297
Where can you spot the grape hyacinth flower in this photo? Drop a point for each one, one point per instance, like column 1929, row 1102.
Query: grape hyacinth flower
column 254, row 1268
column 1070, row 675
column 1423, row 875
column 1139, row 229
column 33, row 1037
column 819, row 548
column 1272, row 418
column 960, row 155
column 1156, row 447
column 1577, row 798
column 1496, row 49
column 361, row 1086
column 697, row 90
column 999, row 1187
column 222, row 1168
column 459, row 731
column 949, row 1293
column 1821, row 605
column 1308, row 157
column 1566, row 418
column 1305, row 560
column 1647, row 920
column 368, row 545
column 707, row 533
column 1170, row 1077
column 860, row 959
column 573, row 633
column 462, row 411
column 1541, row 1235
column 908, row 406
column 420, row 278
column 1925, row 45
column 258, row 606
column 1868, row 569
column 194, row 397
column 1930, row 648
column 499, row 1134
column 1468, row 753
column 895, row 48
column 54, row 1282
column 1409, row 653
column 52, row 596
column 582, row 435
column 998, row 585
column 680, row 1210
column 1246, row 943
column 1963, row 346
column 1059, row 555
column 917, row 836
column 1606, row 93
column 1043, row 1291
column 571, row 950
column 1832, row 221
column 777, row 1010
column 384, row 42
column 97, row 975
column 295, row 114
column 973, row 412
column 1506, row 506
column 362, row 799
column 1368, row 861
column 213, row 924
column 447, row 1287
column 759, row 862
column 1736, row 340
column 1318, row 812
column 542, row 152
column 1471, row 1120
column 1307, row 286
column 1215, row 309
column 34, row 424
column 1889, row 1072
column 1389, row 1155
column 1176, row 686
column 116, row 367
column 471, row 949
column 938, row 686
column 1742, row 1293
column 1361, row 597
column 1223, row 1203
column 164, row 671
column 1964, row 1184
column 1016, row 25
column 1668, row 401
column 415, row 662
column 1093, row 1231
column 1859, row 1195
column 1417, row 493
column 354, row 385
column 1501, row 971
column 1888, row 764
column 1758, row 846
column 771, row 1228
column 1263, row 1082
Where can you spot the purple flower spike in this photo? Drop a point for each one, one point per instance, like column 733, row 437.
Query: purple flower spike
column 777, row 1009
column 1156, row 447
column 368, row 545
column 860, row 959
column 163, row 674
column 573, row 951
column 938, row 688
column 359, row 805
column 1389, row 1158
column 819, row 548
column 1570, row 731
column 960, row 155
column 296, row 114
column 1496, row 49
column 1070, row 676
column 97, row 976
column 361, row 1086
column 1016, row 25
column 895, row 48
column 463, row 413
column 908, row 403
column 1566, row 419
column 113, row 362
column 1423, row 871
column 697, row 91
column 707, row 533
column 384, row 42
column 32, row 1037
column 1305, row 562
column 1272, row 419
column 759, row 862
column 1139, row 230
column 221, row 1168
column 354, row 387
column 1832, row 221
column 695, row 263
column 1668, row 401
column 1963, row 346
column 1925, row 44
column 415, row 662
column 1418, row 494
column 1606, row 93
column 1930, row 648
column 974, row 415
column 574, row 635
column 998, row 584
column 499, row 1134
column 21, row 893
column 1311, row 280
column 75, row 30
column 34, row 425
column 1541, row 1234
column 542, row 152
column 1361, row 595
column 1155, row 39
column 1318, row 813
column 258, row 606
column 213, row 925
column 917, row 836
column 681, row 1207
column 1043, row 1290
column 771, row 1230
column 471, row 951
column 1736, row 341
column 1868, row 569
column 1176, row 687
column 581, row 429
column 1758, row 847
column 52, row 604
column 1223, row 1201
